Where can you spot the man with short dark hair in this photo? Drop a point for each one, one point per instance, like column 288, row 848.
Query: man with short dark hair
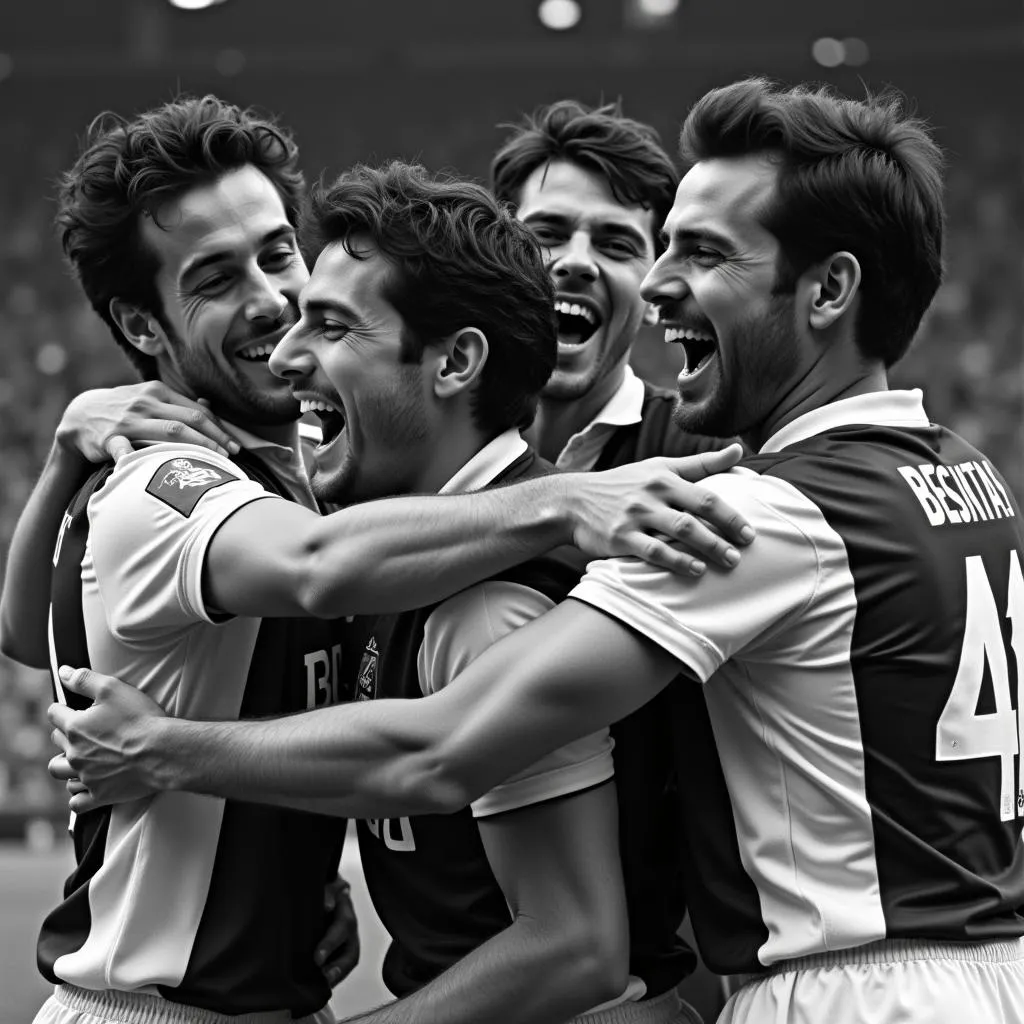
column 859, row 847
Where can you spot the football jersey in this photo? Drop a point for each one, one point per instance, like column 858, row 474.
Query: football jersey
column 650, row 841
column 428, row 875
column 850, row 769
column 206, row 902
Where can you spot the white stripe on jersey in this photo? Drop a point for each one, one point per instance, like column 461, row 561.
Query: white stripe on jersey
column 773, row 641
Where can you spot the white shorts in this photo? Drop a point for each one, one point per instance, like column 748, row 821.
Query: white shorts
column 667, row 1008
column 895, row 981
column 71, row 1005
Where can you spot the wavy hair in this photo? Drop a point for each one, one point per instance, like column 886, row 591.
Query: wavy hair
column 129, row 168
column 460, row 260
column 627, row 154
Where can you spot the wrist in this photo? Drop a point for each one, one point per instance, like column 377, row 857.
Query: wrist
column 557, row 508
column 161, row 755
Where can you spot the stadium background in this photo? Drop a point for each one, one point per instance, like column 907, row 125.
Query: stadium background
column 433, row 81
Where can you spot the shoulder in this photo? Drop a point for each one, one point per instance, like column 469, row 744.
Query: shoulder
column 172, row 476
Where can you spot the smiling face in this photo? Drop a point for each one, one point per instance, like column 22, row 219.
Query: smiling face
column 715, row 288
column 344, row 361
column 229, row 278
column 597, row 251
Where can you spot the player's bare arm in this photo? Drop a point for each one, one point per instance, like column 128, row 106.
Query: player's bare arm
column 96, row 426
column 513, row 705
column 275, row 558
column 567, row 948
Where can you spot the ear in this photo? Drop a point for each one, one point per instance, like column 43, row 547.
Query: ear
column 650, row 314
column 461, row 359
column 140, row 328
column 834, row 286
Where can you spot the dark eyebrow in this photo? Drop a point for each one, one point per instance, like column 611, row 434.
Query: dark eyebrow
column 190, row 269
column 703, row 235
column 318, row 307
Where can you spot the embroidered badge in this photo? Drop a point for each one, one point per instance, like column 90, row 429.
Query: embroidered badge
column 366, row 681
column 180, row 483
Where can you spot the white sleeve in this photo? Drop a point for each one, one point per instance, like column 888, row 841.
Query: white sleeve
column 150, row 526
column 457, row 632
column 704, row 621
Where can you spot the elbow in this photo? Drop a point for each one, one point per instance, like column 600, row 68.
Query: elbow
column 18, row 650
column 324, row 584
column 602, row 967
column 594, row 965
column 435, row 787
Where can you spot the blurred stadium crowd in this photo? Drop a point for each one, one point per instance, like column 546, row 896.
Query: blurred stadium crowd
column 968, row 355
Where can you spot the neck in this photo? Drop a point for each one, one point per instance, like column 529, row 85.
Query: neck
column 449, row 450
column 820, row 393
column 280, row 433
column 558, row 419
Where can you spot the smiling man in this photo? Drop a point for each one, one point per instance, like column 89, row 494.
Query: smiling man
column 847, row 737
column 179, row 225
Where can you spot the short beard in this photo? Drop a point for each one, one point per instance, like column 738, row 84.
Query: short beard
column 234, row 398
column 763, row 358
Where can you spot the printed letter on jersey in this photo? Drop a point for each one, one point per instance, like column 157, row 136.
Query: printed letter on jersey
column 180, row 483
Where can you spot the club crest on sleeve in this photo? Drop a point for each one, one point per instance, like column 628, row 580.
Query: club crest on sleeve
column 366, row 680
column 180, row 483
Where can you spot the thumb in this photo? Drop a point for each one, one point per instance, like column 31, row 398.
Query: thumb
column 78, row 680
column 118, row 446
column 696, row 467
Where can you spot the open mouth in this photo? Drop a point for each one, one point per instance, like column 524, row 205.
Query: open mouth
column 576, row 322
column 698, row 346
column 257, row 352
column 332, row 420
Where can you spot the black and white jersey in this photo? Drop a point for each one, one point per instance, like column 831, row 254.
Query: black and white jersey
column 851, row 768
column 211, row 903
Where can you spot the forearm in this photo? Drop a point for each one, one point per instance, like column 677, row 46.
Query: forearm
column 388, row 758
column 401, row 553
column 25, row 599
column 523, row 975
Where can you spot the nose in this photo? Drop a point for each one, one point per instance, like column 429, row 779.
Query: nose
column 267, row 299
column 662, row 286
column 575, row 263
column 291, row 358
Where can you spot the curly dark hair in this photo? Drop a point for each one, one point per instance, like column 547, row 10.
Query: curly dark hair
column 627, row 154
column 860, row 176
column 460, row 260
column 128, row 168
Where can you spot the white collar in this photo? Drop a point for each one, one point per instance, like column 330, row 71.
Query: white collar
column 492, row 460
column 625, row 406
column 885, row 408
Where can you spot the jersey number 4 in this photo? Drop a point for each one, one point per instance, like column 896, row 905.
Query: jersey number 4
column 962, row 733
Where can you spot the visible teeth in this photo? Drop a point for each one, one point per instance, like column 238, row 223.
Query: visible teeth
column 685, row 333
column 256, row 351
column 310, row 405
column 574, row 309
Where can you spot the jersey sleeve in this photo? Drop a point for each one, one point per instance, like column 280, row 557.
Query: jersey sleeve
column 150, row 527
column 704, row 621
column 456, row 633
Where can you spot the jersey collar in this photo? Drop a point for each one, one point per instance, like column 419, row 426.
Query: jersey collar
column 491, row 461
column 883, row 408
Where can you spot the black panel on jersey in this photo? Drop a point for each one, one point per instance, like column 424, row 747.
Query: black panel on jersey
column 264, row 914
column 650, row 830
column 64, row 927
column 948, row 867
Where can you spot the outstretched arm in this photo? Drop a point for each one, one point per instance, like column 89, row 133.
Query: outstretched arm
column 382, row 758
column 567, row 947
